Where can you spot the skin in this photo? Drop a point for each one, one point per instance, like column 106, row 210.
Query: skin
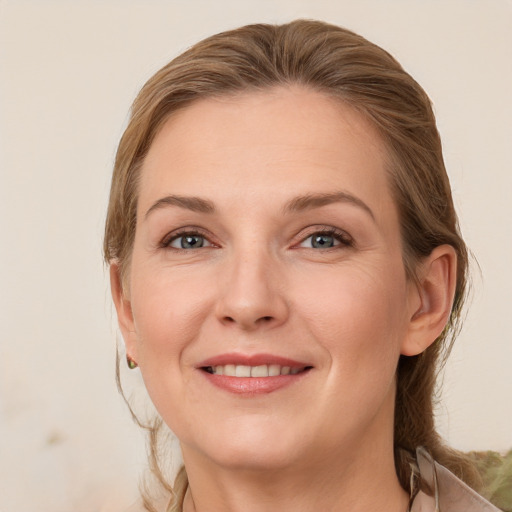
column 258, row 285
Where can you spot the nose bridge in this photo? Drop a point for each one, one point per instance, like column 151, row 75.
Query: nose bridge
column 252, row 293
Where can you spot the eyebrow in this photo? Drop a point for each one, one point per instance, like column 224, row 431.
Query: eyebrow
column 195, row 204
column 311, row 201
column 300, row 203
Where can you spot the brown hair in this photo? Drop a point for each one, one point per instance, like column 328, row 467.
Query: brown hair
column 345, row 66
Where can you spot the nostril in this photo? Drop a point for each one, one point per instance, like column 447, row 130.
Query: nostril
column 248, row 322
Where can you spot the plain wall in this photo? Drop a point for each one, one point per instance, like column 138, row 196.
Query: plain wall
column 68, row 73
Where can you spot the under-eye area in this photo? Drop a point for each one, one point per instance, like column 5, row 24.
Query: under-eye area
column 264, row 370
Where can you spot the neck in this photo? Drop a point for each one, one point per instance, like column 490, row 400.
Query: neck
column 356, row 481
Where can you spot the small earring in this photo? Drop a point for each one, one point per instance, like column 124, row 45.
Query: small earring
column 131, row 363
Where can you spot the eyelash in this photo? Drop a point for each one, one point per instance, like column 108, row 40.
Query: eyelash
column 344, row 239
column 168, row 239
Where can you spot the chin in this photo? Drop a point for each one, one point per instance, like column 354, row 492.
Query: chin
column 253, row 458
column 250, row 446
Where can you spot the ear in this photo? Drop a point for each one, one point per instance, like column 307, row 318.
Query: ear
column 121, row 298
column 431, row 299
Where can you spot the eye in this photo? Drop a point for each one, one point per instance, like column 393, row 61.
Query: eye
column 188, row 241
column 326, row 239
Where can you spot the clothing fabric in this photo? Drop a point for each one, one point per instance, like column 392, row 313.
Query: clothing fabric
column 450, row 494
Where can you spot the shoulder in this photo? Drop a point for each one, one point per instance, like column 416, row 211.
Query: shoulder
column 450, row 493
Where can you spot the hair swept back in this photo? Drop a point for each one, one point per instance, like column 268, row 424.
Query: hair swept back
column 345, row 66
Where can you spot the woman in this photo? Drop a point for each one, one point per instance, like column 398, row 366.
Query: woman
column 287, row 271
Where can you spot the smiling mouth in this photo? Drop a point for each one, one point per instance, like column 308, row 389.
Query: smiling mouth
column 264, row 370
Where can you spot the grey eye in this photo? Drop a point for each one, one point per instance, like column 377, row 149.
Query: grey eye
column 190, row 241
column 327, row 239
column 322, row 241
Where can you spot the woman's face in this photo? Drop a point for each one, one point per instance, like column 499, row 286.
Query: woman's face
column 268, row 244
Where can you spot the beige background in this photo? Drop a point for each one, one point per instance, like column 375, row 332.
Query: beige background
column 68, row 72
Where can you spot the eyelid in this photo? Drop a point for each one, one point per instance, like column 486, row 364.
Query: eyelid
column 183, row 231
column 345, row 239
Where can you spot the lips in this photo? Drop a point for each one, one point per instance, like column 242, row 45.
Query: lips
column 254, row 374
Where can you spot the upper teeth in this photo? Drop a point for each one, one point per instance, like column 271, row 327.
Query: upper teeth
column 264, row 370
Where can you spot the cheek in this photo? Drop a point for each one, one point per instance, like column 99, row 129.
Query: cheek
column 169, row 311
column 358, row 316
column 168, row 314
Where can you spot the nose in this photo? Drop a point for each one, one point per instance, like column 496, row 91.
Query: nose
column 252, row 292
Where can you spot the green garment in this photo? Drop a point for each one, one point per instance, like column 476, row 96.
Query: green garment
column 496, row 471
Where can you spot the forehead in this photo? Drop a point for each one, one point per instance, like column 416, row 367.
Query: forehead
column 284, row 138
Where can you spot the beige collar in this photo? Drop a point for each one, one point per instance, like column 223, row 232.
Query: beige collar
column 450, row 493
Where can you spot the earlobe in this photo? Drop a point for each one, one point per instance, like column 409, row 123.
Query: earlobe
column 124, row 310
column 433, row 300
